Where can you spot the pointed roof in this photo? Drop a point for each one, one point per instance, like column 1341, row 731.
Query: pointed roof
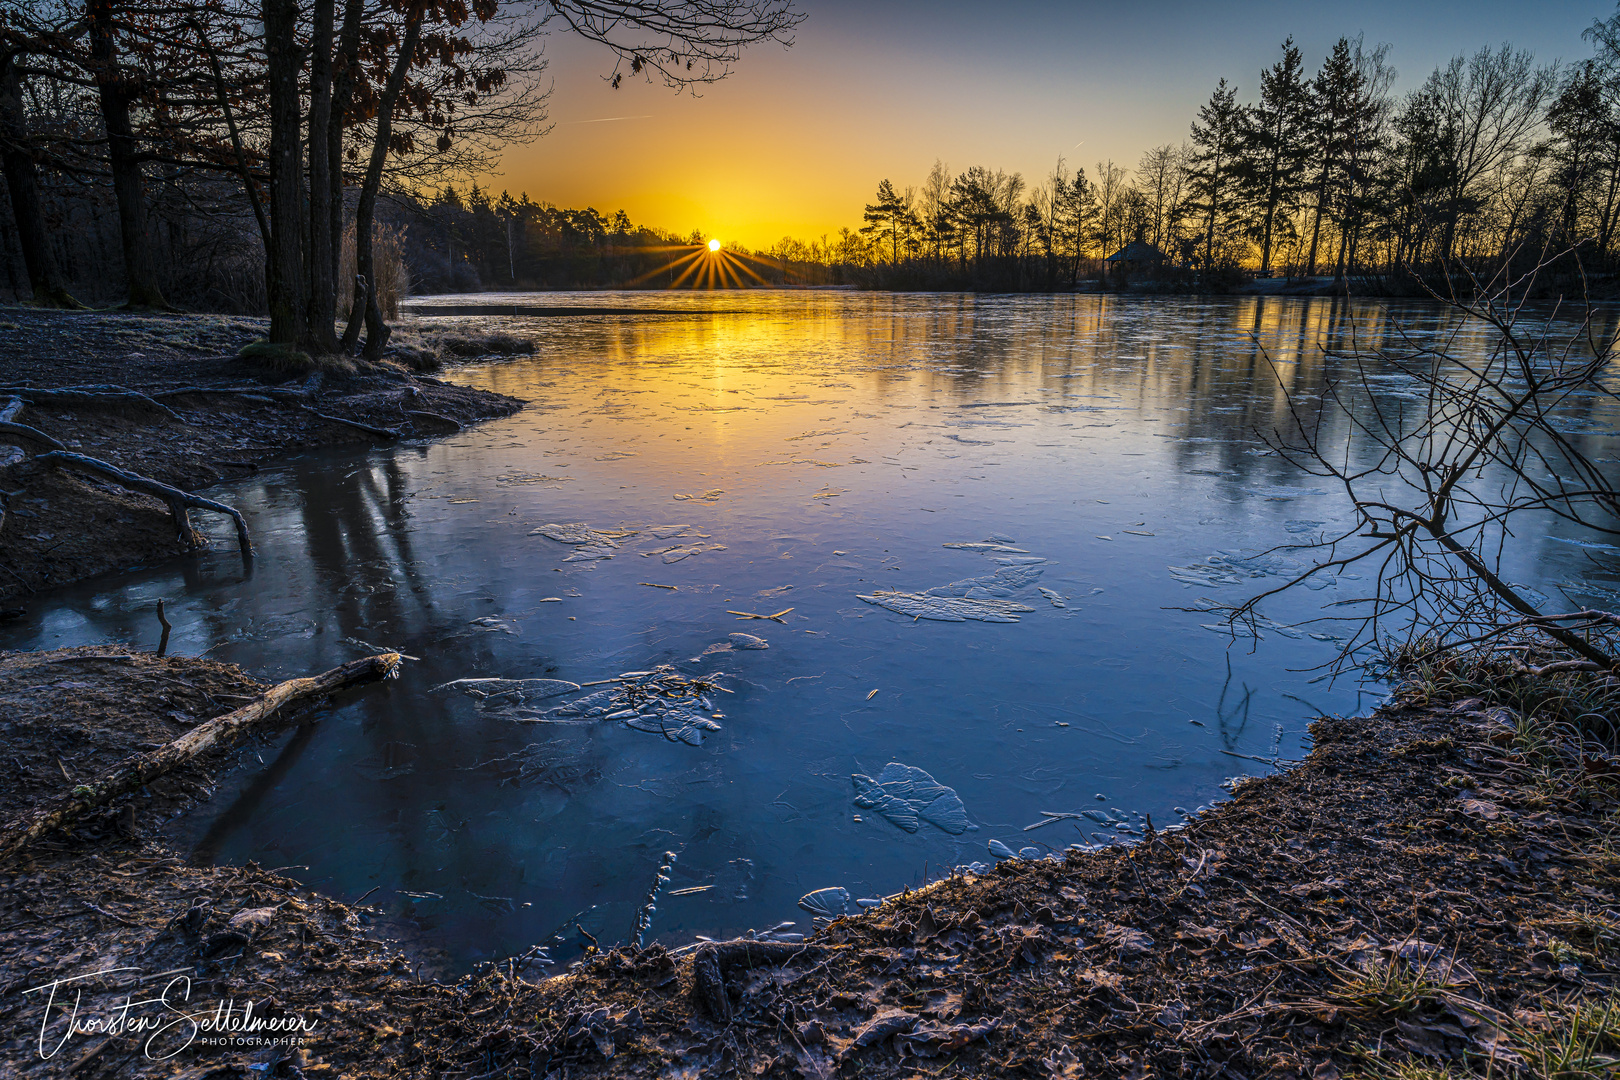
column 1138, row 251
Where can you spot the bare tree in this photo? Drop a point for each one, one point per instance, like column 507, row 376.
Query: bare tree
column 22, row 185
column 1445, row 490
column 1490, row 105
column 686, row 42
column 1160, row 179
column 1109, row 190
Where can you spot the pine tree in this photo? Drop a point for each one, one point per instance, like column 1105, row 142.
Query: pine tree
column 891, row 215
column 1275, row 150
column 1215, row 136
column 1332, row 99
column 1365, row 145
column 1074, row 207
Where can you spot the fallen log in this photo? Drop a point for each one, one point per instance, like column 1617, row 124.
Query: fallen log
column 89, row 397
column 177, row 500
column 9, row 426
column 266, row 714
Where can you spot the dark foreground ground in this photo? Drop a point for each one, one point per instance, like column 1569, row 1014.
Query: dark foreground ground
column 1433, row 887
column 60, row 526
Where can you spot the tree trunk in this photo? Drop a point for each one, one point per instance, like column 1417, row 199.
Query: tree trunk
column 322, row 299
column 1606, row 222
column 1316, row 226
column 365, row 211
column 21, row 184
column 1271, row 217
column 123, row 159
column 289, row 315
column 345, row 69
column 1214, row 199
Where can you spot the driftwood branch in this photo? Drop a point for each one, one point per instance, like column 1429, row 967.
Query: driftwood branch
column 163, row 620
column 266, row 714
column 178, row 500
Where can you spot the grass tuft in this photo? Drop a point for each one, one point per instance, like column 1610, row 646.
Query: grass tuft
column 286, row 361
column 277, row 359
column 1391, row 987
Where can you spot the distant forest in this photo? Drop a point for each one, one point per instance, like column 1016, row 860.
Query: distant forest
column 1324, row 171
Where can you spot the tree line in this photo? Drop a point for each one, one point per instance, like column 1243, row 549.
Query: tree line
column 1493, row 157
column 223, row 149
column 241, row 155
column 1326, row 172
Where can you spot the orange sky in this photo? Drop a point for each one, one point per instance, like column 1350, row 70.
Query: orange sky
column 795, row 142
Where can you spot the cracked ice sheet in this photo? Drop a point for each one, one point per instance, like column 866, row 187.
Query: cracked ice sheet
column 660, row 701
column 908, row 796
column 979, row 599
column 588, row 543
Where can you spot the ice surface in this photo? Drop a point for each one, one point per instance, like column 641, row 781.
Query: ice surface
column 908, row 796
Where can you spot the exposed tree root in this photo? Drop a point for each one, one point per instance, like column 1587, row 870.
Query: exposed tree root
column 9, row 426
column 178, row 500
column 380, row 432
column 89, row 397
column 437, row 418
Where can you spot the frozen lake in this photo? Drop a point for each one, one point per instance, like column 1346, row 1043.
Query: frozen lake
column 882, row 473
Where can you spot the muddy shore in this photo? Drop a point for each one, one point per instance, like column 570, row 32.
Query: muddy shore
column 1427, row 885
column 230, row 417
column 1432, row 888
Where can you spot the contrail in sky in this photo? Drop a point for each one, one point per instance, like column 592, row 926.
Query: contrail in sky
column 606, row 119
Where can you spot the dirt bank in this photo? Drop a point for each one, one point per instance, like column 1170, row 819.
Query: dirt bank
column 207, row 416
column 1434, row 885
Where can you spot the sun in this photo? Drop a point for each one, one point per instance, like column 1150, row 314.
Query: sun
column 714, row 245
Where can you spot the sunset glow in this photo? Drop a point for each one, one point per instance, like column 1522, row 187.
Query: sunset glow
column 714, row 245
column 1048, row 80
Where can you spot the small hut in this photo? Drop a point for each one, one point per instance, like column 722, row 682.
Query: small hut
column 1136, row 259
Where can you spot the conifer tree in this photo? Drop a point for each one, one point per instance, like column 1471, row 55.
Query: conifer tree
column 1332, row 96
column 1215, row 136
column 890, row 216
column 1275, row 150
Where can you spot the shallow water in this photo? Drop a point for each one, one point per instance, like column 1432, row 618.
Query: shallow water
column 973, row 519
